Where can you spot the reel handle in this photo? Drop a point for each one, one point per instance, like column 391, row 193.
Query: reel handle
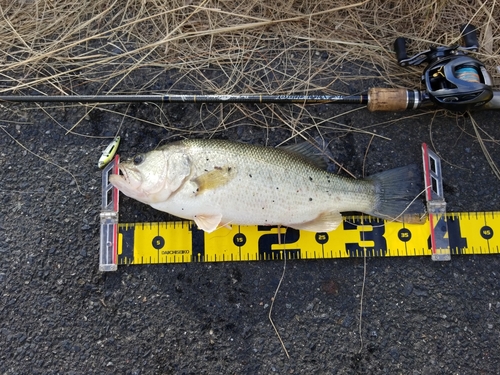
column 400, row 48
column 469, row 37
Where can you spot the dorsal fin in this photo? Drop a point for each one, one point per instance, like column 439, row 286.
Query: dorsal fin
column 307, row 152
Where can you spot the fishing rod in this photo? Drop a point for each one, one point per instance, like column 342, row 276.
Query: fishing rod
column 453, row 81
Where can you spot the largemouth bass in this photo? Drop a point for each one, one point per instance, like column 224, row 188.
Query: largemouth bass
column 220, row 183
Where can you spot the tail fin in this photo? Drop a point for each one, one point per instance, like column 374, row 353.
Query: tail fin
column 397, row 192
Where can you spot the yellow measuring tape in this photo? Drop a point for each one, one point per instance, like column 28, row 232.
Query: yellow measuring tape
column 183, row 242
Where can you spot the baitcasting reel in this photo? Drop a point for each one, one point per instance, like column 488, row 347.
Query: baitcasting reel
column 453, row 80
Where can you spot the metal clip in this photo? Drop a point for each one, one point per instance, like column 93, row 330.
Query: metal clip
column 436, row 205
column 109, row 220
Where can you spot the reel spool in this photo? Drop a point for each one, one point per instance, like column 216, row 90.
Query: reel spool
column 453, row 80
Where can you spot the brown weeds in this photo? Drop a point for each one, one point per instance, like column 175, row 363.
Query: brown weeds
column 224, row 47
column 300, row 42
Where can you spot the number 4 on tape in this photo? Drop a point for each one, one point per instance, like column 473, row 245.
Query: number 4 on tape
column 436, row 205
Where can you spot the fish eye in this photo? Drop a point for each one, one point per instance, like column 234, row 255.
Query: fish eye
column 138, row 159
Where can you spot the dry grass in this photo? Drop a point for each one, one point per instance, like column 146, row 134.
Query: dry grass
column 259, row 46
column 222, row 46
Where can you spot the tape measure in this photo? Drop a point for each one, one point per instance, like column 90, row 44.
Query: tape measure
column 444, row 234
column 183, row 242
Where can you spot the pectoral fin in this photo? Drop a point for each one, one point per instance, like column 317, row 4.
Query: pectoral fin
column 213, row 179
column 325, row 222
column 208, row 223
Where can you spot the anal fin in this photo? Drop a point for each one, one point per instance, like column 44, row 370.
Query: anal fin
column 324, row 222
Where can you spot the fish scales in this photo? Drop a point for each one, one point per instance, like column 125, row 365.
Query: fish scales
column 271, row 186
column 218, row 183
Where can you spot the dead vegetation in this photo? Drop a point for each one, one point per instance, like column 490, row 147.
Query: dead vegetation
column 304, row 43
column 224, row 47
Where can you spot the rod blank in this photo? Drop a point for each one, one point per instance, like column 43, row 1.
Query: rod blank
column 377, row 99
column 305, row 99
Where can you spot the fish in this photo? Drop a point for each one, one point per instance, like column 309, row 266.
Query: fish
column 219, row 183
column 109, row 152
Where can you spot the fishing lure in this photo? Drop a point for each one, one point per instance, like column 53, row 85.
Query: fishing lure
column 109, row 152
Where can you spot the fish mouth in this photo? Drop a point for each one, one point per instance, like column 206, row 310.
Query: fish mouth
column 129, row 178
column 122, row 172
column 121, row 179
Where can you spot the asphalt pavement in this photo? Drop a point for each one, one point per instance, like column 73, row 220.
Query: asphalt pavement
column 60, row 315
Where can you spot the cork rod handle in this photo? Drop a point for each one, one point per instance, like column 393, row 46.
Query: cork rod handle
column 386, row 99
